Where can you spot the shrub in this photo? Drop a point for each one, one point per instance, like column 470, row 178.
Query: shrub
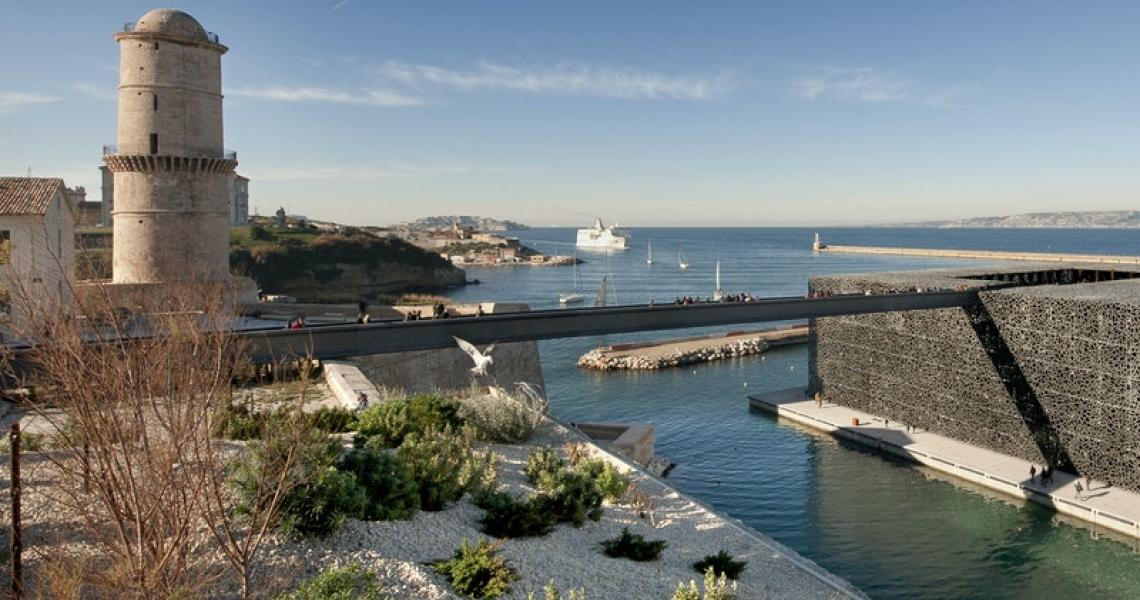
column 502, row 418
column 238, row 422
column 506, row 517
column 316, row 497
column 576, row 451
column 571, row 496
column 721, row 564
column 389, row 484
column 321, row 507
column 445, row 466
column 332, row 419
column 476, row 572
column 715, row 589
column 610, row 481
column 543, row 461
column 392, row 421
column 551, row 593
column 634, row 547
column 348, row 583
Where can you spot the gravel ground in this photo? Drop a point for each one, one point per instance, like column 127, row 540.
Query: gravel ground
column 571, row 557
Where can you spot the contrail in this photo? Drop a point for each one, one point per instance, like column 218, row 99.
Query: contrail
column 338, row 5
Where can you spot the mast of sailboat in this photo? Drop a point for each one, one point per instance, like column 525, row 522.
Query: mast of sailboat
column 603, row 289
column 649, row 258
column 718, row 294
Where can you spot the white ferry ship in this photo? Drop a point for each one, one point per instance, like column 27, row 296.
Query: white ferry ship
column 600, row 236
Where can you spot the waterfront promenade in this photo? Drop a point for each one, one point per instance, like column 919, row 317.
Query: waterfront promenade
column 1046, row 257
column 1104, row 505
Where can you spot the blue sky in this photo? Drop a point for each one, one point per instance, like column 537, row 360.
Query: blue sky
column 647, row 113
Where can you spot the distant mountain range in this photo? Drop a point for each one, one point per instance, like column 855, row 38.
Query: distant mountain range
column 480, row 223
column 1098, row 219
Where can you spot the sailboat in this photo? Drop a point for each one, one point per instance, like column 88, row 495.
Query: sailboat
column 718, row 295
column 681, row 264
column 649, row 258
column 575, row 296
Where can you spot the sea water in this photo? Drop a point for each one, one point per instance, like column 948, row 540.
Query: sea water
column 893, row 529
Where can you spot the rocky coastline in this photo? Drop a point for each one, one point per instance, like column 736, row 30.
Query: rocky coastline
column 602, row 360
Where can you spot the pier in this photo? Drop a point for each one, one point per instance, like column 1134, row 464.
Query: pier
column 1111, row 507
column 1045, row 257
column 665, row 354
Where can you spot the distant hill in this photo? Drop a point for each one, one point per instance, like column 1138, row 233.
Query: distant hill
column 1092, row 219
column 480, row 223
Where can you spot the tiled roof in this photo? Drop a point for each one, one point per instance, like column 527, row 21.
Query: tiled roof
column 27, row 195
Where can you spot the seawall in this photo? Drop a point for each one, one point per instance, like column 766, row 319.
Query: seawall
column 1045, row 257
column 686, row 351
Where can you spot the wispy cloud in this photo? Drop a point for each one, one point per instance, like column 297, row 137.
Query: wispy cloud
column 395, row 170
column 563, row 79
column 380, row 98
column 98, row 92
column 870, row 84
column 340, row 5
column 12, row 101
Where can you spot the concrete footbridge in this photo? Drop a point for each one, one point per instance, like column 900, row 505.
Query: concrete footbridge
column 340, row 341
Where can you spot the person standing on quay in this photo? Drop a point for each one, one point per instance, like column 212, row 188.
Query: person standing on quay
column 1032, row 473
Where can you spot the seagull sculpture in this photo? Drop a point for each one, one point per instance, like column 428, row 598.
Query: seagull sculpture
column 482, row 359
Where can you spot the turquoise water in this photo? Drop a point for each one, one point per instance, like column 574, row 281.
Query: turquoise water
column 894, row 530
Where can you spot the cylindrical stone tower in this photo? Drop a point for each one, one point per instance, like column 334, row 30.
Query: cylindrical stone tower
column 170, row 169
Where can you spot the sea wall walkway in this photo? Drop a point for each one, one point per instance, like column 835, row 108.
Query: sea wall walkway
column 1107, row 259
column 1109, row 507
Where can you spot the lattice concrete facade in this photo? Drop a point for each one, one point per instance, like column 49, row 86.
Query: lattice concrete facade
column 1049, row 373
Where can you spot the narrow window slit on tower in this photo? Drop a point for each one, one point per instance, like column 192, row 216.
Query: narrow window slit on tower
column 156, row 103
column 154, row 143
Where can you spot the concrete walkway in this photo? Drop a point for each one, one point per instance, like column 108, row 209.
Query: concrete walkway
column 1112, row 508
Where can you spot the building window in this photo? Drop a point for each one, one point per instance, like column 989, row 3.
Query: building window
column 154, row 143
column 5, row 247
column 156, row 103
column 156, row 45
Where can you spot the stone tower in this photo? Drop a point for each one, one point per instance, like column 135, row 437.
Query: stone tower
column 171, row 173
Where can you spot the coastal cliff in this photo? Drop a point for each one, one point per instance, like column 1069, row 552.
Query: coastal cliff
column 333, row 267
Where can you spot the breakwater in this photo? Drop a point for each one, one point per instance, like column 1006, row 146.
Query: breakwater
column 1058, row 257
column 686, row 351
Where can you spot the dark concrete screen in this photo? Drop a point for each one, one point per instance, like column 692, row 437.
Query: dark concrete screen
column 1046, row 368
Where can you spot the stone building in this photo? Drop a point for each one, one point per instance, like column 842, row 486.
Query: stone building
column 37, row 245
column 239, row 199
column 170, row 171
column 107, row 187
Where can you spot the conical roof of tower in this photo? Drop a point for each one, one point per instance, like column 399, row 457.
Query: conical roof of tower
column 171, row 22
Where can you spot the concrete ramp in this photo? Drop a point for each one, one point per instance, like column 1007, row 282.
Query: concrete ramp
column 347, row 383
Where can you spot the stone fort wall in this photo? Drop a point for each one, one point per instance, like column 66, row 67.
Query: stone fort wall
column 1047, row 373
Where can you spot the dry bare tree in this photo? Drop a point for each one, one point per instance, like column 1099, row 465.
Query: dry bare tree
column 131, row 399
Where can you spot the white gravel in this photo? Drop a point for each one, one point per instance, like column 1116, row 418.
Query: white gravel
column 570, row 556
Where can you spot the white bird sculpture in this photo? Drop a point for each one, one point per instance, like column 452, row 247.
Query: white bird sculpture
column 482, row 359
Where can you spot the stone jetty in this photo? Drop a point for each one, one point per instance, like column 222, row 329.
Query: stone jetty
column 687, row 351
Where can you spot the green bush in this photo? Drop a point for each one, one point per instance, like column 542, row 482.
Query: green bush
column 389, row 484
column 721, row 564
column 507, row 517
column 543, row 462
column 392, row 421
column 238, row 422
column 475, row 571
column 715, row 589
column 321, row 507
column 316, row 498
column 571, row 496
column 551, row 593
column 610, row 481
column 445, row 466
column 348, row 583
column 332, row 419
column 634, row 547
column 501, row 418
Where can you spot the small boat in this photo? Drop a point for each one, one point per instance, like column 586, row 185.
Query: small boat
column 681, row 264
column 604, row 288
column 575, row 296
column 649, row 258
